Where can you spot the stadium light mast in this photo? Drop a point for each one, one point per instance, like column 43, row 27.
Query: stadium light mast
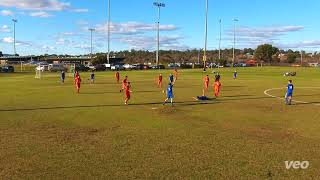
column 91, row 42
column 14, row 41
column 301, row 52
column 159, row 6
column 109, row 29
column 14, row 36
column 234, row 40
column 220, row 21
column 206, row 38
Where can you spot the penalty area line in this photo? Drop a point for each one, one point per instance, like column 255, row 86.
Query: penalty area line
column 266, row 92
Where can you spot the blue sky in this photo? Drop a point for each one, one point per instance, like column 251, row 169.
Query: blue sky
column 61, row 26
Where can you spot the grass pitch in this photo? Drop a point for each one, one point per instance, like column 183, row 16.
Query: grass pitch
column 47, row 131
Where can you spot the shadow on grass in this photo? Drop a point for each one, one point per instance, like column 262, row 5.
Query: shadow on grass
column 117, row 92
column 179, row 104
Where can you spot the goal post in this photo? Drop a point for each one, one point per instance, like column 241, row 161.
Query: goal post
column 38, row 73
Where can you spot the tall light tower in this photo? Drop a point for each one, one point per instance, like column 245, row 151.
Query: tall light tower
column 206, row 38
column 159, row 6
column 301, row 58
column 220, row 21
column 14, row 36
column 234, row 40
column 91, row 33
column 109, row 26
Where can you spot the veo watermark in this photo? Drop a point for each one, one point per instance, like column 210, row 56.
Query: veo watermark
column 297, row 164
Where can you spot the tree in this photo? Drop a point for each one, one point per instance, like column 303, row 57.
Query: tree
column 265, row 53
column 100, row 59
column 292, row 57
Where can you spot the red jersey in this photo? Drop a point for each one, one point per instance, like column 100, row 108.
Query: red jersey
column 117, row 75
column 206, row 80
column 77, row 79
column 160, row 77
column 127, row 91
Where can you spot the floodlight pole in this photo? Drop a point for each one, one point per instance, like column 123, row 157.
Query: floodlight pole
column 14, row 41
column 234, row 40
column 220, row 40
column 14, row 35
column 159, row 6
column 109, row 26
column 206, row 38
column 91, row 33
column 301, row 52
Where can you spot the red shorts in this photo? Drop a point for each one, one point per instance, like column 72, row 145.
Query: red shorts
column 78, row 85
column 128, row 95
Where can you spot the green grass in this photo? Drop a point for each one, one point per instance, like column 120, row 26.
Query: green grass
column 47, row 131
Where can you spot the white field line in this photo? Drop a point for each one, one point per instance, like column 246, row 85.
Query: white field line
column 266, row 92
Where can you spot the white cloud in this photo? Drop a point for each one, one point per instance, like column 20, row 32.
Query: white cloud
column 130, row 28
column 48, row 48
column 61, row 41
column 300, row 45
column 149, row 42
column 265, row 32
column 40, row 14
column 254, row 36
column 42, row 5
column 80, row 10
column 7, row 40
column 5, row 29
column 6, row 13
column 10, row 40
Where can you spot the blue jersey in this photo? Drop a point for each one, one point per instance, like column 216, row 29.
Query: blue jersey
column 235, row 74
column 63, row 75
column 290, row 89
column 169, row 91
column 171, row 78
column 92, row 76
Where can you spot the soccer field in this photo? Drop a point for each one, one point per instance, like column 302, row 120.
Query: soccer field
column 47, row 131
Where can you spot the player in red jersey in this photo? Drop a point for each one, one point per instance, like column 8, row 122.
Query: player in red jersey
column 175, row 74
column 217, row 86
column 117, row 76
column 206, row 82
column 124, row 83
column 160, row 81
column 127, row 92
column 77, row 81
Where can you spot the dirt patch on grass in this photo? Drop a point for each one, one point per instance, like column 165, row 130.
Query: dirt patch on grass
column 268, row 134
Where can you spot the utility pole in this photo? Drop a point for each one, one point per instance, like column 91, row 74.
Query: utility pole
column 159, row 6
column 109, row 26
column 91, row 33
column 234, row 40
column 206, row 38
column 14, row 36
column 220, row 40
column 301, row 60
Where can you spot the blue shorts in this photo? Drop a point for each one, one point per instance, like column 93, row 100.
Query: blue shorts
column 289, row 94
column 169, row 95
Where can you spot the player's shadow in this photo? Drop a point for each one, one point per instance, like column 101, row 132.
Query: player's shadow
column 244, row 95
column 109, row 92
column 184, row 103
column 116, row 92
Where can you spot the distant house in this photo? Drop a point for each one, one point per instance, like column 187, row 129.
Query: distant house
column 283, row 57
